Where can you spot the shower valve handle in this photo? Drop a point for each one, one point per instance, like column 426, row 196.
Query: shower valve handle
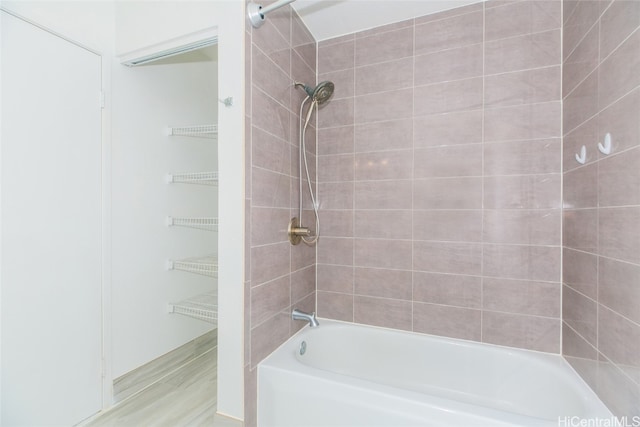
column 296, row 232
column 301, row 231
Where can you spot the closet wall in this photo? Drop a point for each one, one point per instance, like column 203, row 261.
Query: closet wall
column 146, row 101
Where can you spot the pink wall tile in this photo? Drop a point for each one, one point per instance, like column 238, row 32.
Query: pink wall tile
column 533, row 121
column 513, row 19
column 383, row 224
column 335, row 57
column 384, row 47
column 455, row 322
column 275, row 119
column 337, row 223
column 269, row 262
column 392, row 75
column 448, row 193
column 389, row 313
column 617, row 71
column 580, row 271
column 382, row 165
column 335, row 278
column 384, row 135
column 336, row 168
column 522, row 226
column 452, row 225
column 619, row 341
column 267, row 336
column 382, row 253
column 582, row 61
column 617, row 23
column 456, row 31
column 619, row 234
column 523, row 157
column 579, row 312
column 270, row 152
column 378, row 282
column 273, row 225
column 459, row 95
column 392, row 194
column 580, row 229
column 578, row 23
column 343, row 80
column 448, row 161
column 540, row 263
column 392, row 105
column 447, row 257
column 618, row 287
column 581, row 104
column 463, row 127
column 335, row 250
column 341, row 113
column 303, row 284
column 522, row 87
column 453, row 64
column 337, row 140
column 522, row 52
column 448, row 289
column 619, row 179
column 535, row 333
column 574, row 140
column 622, row 120
column 521, row 297
column 335, row 306
column 522, row 192
column 269, row 299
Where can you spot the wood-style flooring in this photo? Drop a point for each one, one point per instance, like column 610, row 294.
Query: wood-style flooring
column 184, row 398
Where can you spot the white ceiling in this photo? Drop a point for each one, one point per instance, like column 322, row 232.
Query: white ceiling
column 332, row 18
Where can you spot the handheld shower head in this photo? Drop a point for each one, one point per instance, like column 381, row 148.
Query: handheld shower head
column 320, row 93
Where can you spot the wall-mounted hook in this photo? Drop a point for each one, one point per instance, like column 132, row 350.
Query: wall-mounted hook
column 228, row 102
column 606, row 147
column 582, row 157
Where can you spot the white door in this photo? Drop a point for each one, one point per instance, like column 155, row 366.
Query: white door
column 50, row 255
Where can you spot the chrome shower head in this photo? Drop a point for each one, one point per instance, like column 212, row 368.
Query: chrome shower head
column 320, row 93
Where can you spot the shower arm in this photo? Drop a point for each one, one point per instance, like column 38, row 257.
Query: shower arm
column 256, row 12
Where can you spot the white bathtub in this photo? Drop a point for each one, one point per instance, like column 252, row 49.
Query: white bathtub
column 354, row 375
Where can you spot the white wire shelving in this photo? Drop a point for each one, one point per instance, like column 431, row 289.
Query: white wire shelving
column 209, row 224
column 201, row 131
column 203, row 178
column 202, row 307
column 205, row 266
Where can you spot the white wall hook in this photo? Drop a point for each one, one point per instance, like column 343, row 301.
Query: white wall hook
column 606, row 147
column 228, row 101
column 582, row 157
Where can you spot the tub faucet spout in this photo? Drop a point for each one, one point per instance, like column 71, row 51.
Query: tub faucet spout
column 301, row 315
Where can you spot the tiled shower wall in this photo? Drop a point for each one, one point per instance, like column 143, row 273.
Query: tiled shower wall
column 440, row 175
column 601, row 291
column 278, row 275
